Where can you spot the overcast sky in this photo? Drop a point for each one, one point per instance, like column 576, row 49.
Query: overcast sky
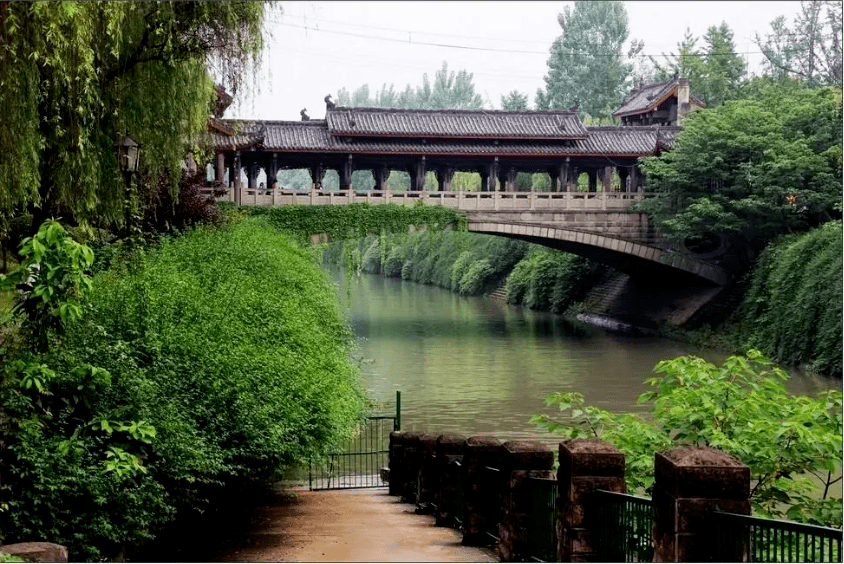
column 318, row 47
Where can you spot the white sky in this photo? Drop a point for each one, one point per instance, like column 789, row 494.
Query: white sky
column 319, row 47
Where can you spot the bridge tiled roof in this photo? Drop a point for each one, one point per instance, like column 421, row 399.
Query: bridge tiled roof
column 454, row 124
column 649, row 96
column 314, row 136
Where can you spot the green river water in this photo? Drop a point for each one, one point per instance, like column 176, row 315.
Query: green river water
column 477, row 366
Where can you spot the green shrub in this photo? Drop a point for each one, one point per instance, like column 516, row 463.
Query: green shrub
column 221, row 357
column 551, row 280
column 476, row 278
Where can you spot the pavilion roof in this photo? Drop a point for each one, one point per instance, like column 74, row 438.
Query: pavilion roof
column 314, row 136
column 454, row 124
column 648, row 97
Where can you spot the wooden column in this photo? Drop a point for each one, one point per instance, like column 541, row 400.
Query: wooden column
column 220, row 169
column 381, row 175
column 444, row 176
column 252, row 170
column 607, row 178
column 417, row 175
column 346, row 173
column 317, row 174
column 238, row 188
column 489, row 176
column 508, row 184
column 272, row 172
column 593, row 179
column 623, row 173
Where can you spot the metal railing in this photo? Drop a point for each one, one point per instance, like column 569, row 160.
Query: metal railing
column 543, row 529
column 457, row 507
column 742, row 538
column 360, row 459
column 624, row 524
column 494, row 501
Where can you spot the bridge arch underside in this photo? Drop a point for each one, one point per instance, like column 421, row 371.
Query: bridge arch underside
column 659, row 266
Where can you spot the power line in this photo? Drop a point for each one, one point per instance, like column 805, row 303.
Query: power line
column 495, row 50
column 410, row 31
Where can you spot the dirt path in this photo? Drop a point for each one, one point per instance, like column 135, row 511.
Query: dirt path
column 348, row 526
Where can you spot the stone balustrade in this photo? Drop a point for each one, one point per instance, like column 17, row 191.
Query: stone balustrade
column 461, row 200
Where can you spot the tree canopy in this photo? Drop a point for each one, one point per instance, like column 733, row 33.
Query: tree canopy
column 809, row 50
column 76, row 75
column 586, row 62
column 715, row 70
column 448, row 90
column 751, row 169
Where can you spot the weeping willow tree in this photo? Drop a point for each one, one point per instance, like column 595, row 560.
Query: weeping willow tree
column 76, row 75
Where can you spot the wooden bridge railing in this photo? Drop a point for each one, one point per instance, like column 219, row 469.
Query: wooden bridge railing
column 467, row 201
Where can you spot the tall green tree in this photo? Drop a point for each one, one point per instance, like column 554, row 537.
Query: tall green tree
column 448, row 90
column 515, row 100
column 810, row 50
column 715, row 70
column 586, row 62
column 76, row 75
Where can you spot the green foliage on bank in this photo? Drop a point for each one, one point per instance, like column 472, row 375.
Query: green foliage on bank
column 793, row 307
column 358, row 220
column 472, row 263
column 552, row 280
column 741, row 408
column 216, row 359
column 467, row 263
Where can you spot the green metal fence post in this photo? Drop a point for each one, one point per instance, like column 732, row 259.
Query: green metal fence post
column 398, row 411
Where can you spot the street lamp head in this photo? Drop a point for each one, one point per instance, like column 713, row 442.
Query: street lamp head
column 128, row 154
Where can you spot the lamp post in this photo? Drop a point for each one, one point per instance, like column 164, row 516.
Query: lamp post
column 128, row 156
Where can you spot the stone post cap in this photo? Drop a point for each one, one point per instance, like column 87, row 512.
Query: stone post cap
column 37, row 551
column 691, row 471
column 483, row 444
column 528, row 455
column 396, row 436
column 588, row 445
column 590, row 457
column 451, row 439
column 428, row 442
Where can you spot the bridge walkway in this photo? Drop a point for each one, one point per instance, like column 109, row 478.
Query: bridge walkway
column 366, row 525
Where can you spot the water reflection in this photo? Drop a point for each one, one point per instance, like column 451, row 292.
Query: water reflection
column 477, row 366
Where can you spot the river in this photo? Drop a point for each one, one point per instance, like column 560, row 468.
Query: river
column 477, row 366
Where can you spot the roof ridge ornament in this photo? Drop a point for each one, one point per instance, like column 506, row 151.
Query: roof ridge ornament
column 329, row 105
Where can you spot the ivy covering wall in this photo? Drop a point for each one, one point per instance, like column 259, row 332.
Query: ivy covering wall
column 793, row 307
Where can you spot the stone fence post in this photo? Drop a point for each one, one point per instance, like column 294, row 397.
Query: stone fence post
column 410, row 466
column 481, row 489
column 522, row 460
column 428, row 476
column 449, row 449
column 689, row 483
column 585, row 465
column 396, row 483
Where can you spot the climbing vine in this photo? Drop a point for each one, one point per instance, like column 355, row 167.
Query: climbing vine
column 358, row 220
